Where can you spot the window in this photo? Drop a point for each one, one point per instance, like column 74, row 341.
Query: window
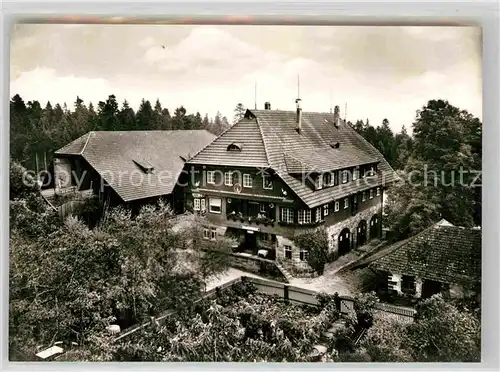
column 304, row 255
column 325, row 210
column 247, row 180
column 371, row 172
column 206, row 234
column 363, row 198
column 304, row 216
column 213, row 233
column 345, row 176
column 337, row 206
column 197, row 204
column 262, row 208
column 318, row 215
column 211, row 177
column 371, row 193
column 318, row 182
column 267, row 182
column 327, row 179
column 228, row 178
column 355, row 174
column 234, row 147
column 378, row 191
column 408, row 284
column 287, row 215
column 214, row 205
column 346, row 203
column 335, row 178
column 288, row 252
column 203, row 205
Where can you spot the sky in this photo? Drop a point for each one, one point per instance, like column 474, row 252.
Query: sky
column 379, row 72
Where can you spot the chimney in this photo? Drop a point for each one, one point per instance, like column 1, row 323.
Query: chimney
column 299, row 115
column 267, row 105
column 336, row 116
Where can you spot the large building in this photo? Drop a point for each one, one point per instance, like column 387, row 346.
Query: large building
column 128, row 167
column 276, row 174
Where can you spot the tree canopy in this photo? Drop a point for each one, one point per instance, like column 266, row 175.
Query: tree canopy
column 36, row 132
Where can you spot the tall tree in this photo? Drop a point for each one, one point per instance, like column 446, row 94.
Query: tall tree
column 239, row 112
column 145, row 116
column 440, row 170
column 126, row 117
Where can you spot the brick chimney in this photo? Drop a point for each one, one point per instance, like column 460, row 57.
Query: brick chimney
column 267, row 105
column 336, row 116
column 299, row 116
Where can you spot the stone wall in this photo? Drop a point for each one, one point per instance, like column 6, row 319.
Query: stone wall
column 333, row 231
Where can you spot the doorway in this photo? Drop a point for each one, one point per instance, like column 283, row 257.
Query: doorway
column 374, row 227
column 344, row 242
column 361, row 233
column 250, row 243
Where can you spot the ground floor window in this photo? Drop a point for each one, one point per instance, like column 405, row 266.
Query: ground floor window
column 288, row 252
column 213, row 233
column 197, row 204
column 206, row 233
column 304, row 255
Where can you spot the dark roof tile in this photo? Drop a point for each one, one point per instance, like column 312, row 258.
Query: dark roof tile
column 118, row 157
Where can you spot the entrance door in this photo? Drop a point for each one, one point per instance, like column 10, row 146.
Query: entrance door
column 430, row 287
column 361, row 233
column 250, row 242
column 344, row 242
column 374, row 227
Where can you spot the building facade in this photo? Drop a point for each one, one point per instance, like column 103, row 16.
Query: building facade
column 277, row 174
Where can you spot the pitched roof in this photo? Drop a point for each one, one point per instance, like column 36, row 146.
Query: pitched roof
column 139, row 164
column 442, row 252
column 269, row 139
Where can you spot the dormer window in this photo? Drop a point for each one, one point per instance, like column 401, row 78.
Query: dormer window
column 355, row 174
column 345, row 176
column 335, row 145
column 234, row 147
column 145, row 166
column 318, row 182
column 327, row 179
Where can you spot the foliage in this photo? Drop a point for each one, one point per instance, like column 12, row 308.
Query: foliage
column 316, row 242
column 240, row 325
column 364, row 306
column 441, row 332
column 439, row 177
column 68, row 282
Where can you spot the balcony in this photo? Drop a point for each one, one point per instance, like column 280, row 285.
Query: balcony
column 251, row 212
column 258, row 220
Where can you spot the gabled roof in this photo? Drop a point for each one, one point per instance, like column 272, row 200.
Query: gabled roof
column 139, row 164
column 269, row 140
column 442, row 252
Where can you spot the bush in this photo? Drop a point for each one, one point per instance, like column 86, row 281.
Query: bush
column 316, row 242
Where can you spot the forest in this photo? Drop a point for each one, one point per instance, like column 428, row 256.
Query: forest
column 69, row 281
column 36, row 131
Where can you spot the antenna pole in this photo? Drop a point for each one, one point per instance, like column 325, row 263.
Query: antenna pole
column 345, row 113
column 255, row 98
column 298, row 86
column 330, row 101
